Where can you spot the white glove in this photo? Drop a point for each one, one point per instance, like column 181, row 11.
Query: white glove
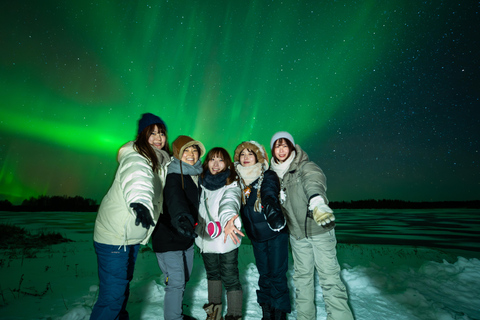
column 322, row 214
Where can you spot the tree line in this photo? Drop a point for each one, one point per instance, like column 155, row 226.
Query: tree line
column 400, row 204
column 52, row 203
column 80, row 204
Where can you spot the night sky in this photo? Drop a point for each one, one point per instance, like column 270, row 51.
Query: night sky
column 382, row 95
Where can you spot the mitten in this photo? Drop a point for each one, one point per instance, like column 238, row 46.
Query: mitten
column 273, row 214
column 322, row 214
column 143, row 215
column 184, row 226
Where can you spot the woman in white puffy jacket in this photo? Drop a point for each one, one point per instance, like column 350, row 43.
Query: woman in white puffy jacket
column 128, row 213
column 219, row 234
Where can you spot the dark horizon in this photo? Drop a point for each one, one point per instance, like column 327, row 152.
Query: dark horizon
column 78, row 203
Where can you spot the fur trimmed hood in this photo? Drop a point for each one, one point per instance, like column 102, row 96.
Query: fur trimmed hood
column 256, row 148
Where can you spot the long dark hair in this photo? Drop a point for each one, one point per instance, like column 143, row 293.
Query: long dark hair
column 221, row 153
column 144, row 148
column 290, row 145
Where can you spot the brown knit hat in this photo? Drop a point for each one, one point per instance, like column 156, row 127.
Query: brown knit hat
column 253, row 146
column 182, row 143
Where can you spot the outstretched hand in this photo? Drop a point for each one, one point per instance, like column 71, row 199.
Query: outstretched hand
column 143, row 215
column 232, row 231
column 323, row 215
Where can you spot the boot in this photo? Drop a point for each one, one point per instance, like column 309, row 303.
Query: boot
column 267, row 312
column 280, row 315
column 214, row 311
column 214, row 291
column 234, row 304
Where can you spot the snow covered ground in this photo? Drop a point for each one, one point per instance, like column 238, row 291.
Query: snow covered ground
column 384, row 281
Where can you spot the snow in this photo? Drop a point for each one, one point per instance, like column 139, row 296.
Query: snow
column 383, row 281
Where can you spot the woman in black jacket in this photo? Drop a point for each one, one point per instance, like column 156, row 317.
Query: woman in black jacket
column 264, row 224
column 173, row 237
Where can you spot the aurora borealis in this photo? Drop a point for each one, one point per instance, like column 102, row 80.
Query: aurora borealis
column 383, row 95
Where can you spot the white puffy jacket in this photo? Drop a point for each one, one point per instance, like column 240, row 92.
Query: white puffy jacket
column 223, row 204
column 134, row 182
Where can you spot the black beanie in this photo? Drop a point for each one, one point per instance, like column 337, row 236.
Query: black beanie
column 149, row 119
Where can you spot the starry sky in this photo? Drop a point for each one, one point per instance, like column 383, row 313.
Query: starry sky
column 382, row 95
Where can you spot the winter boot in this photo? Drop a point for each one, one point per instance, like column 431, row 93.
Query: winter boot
column 267, row 312
column 280, row 315
column 214, row 311
column 234, row 304
column 214, row 291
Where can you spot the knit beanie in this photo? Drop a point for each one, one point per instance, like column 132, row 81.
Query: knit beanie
column 280, row 135
column 149, row 119
column 255, row 147
column 182, row 143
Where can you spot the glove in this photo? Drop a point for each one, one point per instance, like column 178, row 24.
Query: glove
column 143, row 215
column 184, row 226
column 273, row 214
column 322, row 214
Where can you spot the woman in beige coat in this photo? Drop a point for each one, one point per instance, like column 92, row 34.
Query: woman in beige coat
column 128, row 213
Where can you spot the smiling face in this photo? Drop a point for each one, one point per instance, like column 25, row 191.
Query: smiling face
column 157, row 138
column 247, row 158
column 216, row 164
column 281, row 150
column 190, row 155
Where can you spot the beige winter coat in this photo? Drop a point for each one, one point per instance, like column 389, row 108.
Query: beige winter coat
column 134, row 182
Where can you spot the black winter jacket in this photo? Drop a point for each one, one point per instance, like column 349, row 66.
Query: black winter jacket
column 177, row 202
column 255, row 223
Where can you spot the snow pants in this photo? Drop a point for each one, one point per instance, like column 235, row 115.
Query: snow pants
column 177, row 268
column 319, row 252
column 271, row 258
column 224, row 267
column 115, row 271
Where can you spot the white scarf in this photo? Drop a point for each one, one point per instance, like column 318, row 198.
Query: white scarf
column 282, row 167
column 249, row 174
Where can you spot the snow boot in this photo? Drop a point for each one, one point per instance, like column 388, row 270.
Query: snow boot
column 280, row 315
column 214, row 311
column 214, row 291
column 267, row 312
column 234, row 304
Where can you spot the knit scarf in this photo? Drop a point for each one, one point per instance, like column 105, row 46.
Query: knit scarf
column 282, row 167
column 214, row 182
column 248, row 175
column 187, row 169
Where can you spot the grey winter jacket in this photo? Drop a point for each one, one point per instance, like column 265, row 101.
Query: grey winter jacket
column 303, row 181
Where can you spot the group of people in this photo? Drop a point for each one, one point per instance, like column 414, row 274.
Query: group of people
column 178, row 203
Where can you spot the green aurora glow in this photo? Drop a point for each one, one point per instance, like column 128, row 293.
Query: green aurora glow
column 338, row 75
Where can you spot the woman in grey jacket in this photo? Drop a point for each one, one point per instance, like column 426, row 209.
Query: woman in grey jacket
column 311, row 225
column 128, row 213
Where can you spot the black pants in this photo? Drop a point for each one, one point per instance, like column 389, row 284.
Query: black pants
column 224, row 267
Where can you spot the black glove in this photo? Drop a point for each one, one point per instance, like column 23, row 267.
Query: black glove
column 184, row 226
column 273, row 214
column 143, row 215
